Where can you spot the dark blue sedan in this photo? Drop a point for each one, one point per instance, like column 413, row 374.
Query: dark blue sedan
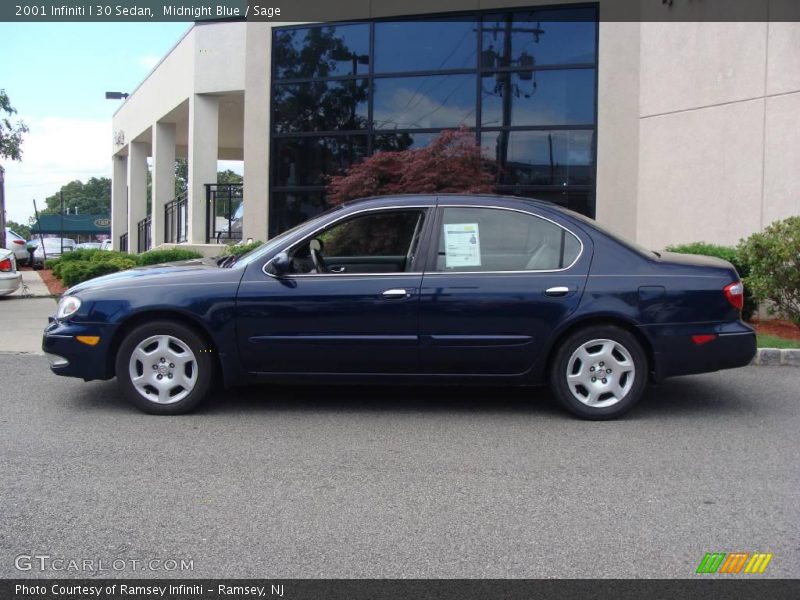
column 412, row 289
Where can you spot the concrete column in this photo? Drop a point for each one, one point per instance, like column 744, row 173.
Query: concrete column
column 203, row 146
column 119, row 198
column 137, row 191
column 256, row 133
column 163, row 176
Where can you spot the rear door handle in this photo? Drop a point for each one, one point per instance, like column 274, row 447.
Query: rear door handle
column 340, row 269
column 396, row 293
column 559, row 290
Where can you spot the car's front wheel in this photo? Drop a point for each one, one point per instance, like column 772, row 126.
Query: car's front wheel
column 164, row 368
column 599, row 372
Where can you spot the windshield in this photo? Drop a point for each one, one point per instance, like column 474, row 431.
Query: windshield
column 275, row 242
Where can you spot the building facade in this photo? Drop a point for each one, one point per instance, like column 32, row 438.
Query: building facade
column 667, row 132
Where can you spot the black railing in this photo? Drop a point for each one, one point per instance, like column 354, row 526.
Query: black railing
column 223, row 212
column 144, row 242
column 123, row 242
column 175, row 222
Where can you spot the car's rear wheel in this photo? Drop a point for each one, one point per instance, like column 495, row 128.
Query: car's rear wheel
column 164, row 368
column 599, row 372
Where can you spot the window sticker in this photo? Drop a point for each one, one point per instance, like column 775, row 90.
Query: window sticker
column 462, row 245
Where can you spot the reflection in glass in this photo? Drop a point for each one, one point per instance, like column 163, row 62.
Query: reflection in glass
column 539, row 37
column 577, row 200
column 422, row 102
column 288, row 209
column 395, row 142
column 541, row 157
column 326, row 51
column 430, row 45
column 308, row 160
column 538, row 98
column 320, row 106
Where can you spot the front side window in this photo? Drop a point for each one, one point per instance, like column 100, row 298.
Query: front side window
column 490, row 239
column 377, row 242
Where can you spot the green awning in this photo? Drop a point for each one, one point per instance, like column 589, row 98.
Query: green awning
column 84, row 224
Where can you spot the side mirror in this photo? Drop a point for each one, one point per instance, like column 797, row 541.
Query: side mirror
column 279, row 264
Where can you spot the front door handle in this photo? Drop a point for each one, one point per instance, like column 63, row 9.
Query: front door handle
column 560, row 290
column 340, row 269
column 395, row 294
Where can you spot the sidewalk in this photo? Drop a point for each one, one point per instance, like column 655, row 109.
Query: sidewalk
column 22, row 319
column 36, row 286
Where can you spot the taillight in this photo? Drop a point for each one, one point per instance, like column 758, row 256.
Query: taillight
column 6, row 266
column 19, row 242
column 734, row 292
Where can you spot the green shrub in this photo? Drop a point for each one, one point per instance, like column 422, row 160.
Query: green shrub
column 154, row 257
column 241, row 249
column 773, row 256
column 730, row 254
column 76, row 271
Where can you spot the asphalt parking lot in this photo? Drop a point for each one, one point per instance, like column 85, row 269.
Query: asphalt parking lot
column 401, row 482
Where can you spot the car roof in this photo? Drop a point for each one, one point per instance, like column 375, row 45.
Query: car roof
column 430, row 199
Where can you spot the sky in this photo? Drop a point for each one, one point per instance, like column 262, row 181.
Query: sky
column 56, row 76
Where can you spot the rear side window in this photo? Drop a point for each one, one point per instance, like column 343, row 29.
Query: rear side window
column 490, row 239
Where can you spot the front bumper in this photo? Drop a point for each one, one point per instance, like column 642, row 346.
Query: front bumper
column 71, row 358
column 734, row 345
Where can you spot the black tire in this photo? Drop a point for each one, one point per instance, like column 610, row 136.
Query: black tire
column 602, row 392
column 204, row 375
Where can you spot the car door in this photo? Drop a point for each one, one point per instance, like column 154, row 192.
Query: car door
column 499, row 281
column 358, row 314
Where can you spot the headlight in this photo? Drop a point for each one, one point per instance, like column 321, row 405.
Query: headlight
column 68, row 306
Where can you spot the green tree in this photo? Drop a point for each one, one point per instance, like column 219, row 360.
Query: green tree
column 10, row 132
column 19, row 229
column 228, row 176
column 94, row 197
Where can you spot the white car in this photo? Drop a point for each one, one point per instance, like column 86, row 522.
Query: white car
column 10, row 278
column 16, row 243
column 52, row 249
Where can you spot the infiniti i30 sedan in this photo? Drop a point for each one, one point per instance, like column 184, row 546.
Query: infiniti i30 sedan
column 414, row 289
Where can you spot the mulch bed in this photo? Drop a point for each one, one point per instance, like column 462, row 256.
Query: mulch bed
column 781, row 329
column 53, row 284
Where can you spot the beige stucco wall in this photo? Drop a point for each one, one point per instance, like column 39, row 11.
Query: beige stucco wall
column 719, row 146
column 209, row 59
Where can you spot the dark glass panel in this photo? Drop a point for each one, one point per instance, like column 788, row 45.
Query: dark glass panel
column 542, row 157
column 325, row 51
column 429, row 45
column 538, row 98
column 393, row 142
column 539, row 37
column 578, row 200
column 307, row 161
column 288, row 209
column 424, row 102
column 320, row 106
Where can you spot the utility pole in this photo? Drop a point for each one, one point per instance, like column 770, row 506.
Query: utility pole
column 2, row 208
column 61, row 234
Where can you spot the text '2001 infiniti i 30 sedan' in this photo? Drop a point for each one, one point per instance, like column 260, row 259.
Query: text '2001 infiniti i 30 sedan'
column 418, row 289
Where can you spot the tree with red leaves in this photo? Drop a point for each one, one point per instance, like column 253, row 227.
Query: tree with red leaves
column 451, row 163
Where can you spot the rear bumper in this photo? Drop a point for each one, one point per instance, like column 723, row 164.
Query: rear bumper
column 9, row 283
column 71, row 358
column 676, row 354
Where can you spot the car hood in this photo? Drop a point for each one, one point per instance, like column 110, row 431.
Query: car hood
column 173, row 271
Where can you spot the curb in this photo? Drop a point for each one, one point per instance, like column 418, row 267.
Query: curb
column 777, row 357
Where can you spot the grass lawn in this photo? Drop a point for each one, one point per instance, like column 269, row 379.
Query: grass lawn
column 773, row 341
